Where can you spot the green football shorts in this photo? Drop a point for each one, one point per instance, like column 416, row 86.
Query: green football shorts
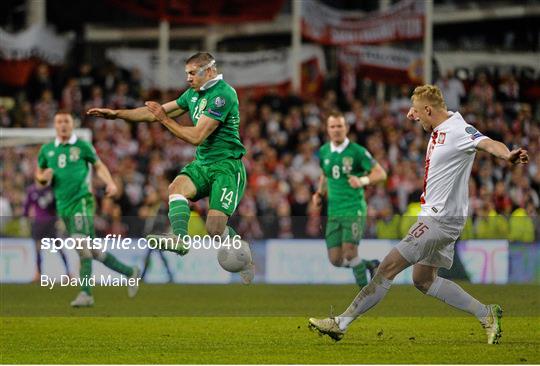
column 79, row 217
column 223, row 181
column 346, row 229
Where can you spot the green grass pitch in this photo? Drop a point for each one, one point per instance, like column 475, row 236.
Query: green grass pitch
column 233, row 324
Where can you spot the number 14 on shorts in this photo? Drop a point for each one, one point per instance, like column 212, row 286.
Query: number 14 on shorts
column 226, row 198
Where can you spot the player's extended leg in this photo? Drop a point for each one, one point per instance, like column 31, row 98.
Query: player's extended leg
column 344, row 254
column 113, row 263
column 181, row 190
column 351, row 259
column 426, row 280
column 368, row 297
column 81, row 224
column 335, row 256
column 84, row 298
column 227, row 181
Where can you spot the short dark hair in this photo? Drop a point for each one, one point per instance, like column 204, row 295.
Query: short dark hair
column 201, row 58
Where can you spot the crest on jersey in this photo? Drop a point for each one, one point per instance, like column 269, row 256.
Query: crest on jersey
column 202, row 104
column 347, row 164
column 74, row 153
column 471, row 130
column 441, row 138
column 219, row 102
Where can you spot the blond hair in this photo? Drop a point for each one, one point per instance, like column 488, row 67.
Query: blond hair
column 430, row 94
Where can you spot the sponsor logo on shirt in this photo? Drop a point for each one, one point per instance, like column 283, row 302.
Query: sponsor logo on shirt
column 214, row 113
column 471, row 130
column 434, row 210
column 194, row 99
column 476, row 135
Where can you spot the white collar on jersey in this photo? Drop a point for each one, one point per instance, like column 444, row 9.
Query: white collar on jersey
column 450, row 116
column 71, row 141
column 341, row 147
column 210, row 83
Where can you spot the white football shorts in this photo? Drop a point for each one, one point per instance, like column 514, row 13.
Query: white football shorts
column 430, row 242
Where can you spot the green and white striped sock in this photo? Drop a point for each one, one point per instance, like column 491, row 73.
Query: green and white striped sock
column 179, row 214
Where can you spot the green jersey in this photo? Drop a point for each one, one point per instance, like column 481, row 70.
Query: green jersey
column 69, row 163
column 344, row 200
column 219, row 102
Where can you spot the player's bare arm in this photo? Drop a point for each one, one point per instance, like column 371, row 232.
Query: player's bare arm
column 194, row 135
column 44, row 176
column 141, row 114
column 499, row 150
column 320, row 192
column 377, row 175
column 103, row 173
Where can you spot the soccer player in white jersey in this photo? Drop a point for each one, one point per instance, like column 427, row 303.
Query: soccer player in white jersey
column 429, row 245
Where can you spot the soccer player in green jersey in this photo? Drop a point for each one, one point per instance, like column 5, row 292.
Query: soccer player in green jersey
column 217, row 171
column 64, row 163
column 347, row 168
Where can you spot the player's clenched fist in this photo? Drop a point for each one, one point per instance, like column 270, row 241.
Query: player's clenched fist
column 157, row 110
column 518, row 156
column 102, row 112
column 46, row 176
column 111, row 190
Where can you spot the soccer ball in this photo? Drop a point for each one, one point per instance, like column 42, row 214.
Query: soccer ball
column 234, row 260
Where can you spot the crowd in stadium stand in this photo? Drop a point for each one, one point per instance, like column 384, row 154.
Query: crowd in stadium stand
column 282, row 136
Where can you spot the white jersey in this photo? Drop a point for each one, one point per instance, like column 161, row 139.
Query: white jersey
column 449, row 160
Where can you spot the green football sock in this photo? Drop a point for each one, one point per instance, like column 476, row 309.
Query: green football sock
column 366, row 263
column 114, row 264
column 179, row 216
column 232, row 232
column 360, row 275
column 84, row 273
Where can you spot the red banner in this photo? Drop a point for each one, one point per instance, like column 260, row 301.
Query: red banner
column 386, row 64
column 323, row 24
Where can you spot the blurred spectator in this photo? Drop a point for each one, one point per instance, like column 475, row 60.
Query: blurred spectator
column 452, row 89
column 39, row 207
column 45, row 109
column 481, row 94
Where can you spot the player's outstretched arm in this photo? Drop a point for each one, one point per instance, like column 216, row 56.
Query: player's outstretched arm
column 104, row 174
column 194, row 135
column 499, row 150
column 141, row 114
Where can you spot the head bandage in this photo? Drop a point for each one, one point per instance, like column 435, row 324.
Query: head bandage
column 202, row 69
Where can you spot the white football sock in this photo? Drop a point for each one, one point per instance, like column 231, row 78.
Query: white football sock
column 452, row 294
column 368, row 297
